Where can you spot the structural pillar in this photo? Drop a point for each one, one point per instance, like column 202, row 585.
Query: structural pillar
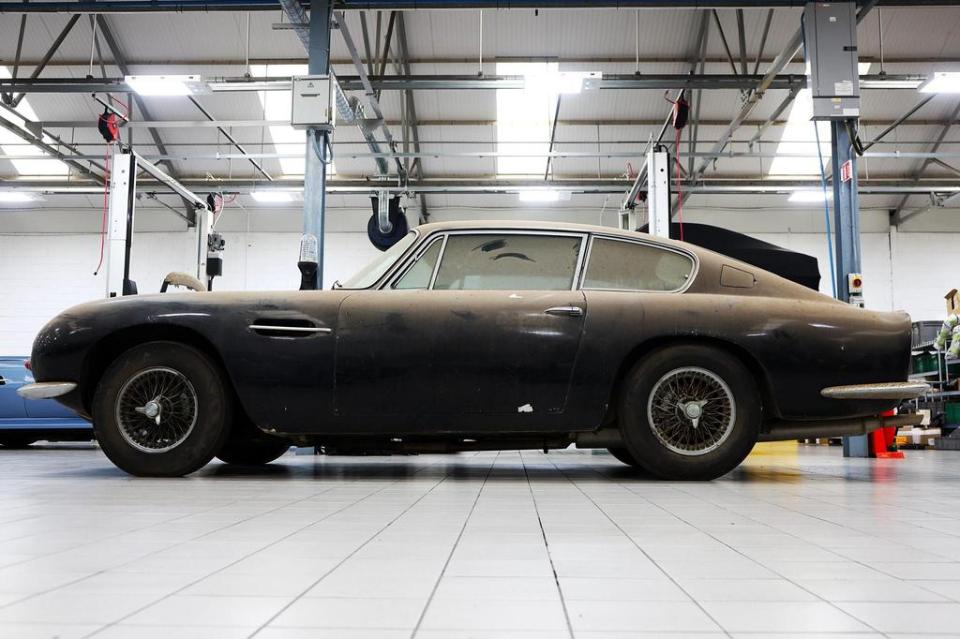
column 846, row 227
column 315, row 173
column 846, row 206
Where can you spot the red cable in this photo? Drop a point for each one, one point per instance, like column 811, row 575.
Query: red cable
column 679, row 186
column 103, row 221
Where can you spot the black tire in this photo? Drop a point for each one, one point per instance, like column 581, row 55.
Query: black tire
column 247, row 445
column 622, row 455
column 199, row 409
column 14, row 440
column 678, row 447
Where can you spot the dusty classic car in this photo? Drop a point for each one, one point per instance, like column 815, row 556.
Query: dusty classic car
column 472, row 336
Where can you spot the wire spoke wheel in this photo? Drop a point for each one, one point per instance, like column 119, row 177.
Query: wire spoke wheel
column 156, row 409
column 691, row 411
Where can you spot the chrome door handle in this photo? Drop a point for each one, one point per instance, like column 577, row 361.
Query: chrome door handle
column 567, row 311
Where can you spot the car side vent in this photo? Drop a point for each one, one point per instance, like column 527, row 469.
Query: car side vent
column 286, row 327
column 733, row 277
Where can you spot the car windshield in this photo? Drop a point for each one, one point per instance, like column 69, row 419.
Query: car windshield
column 369, row 274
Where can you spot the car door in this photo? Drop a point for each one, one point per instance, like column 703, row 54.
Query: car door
column 482, row 324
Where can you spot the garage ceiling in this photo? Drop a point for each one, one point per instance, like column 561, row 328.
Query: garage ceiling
column 607, row 123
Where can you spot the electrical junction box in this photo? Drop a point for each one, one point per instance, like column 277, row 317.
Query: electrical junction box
column 312, row 102
column 830, row 32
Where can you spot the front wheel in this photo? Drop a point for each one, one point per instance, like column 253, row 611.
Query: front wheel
column 162, row 409
column 689, row 412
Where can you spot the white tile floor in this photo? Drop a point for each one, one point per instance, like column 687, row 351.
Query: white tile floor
column 526, row 545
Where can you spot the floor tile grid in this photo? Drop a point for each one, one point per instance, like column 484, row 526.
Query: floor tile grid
column 114, row 536
column 546, row 543
column 446, row 564
column 868, row 530
column 918, row 583
column 351, row 554
column 154, row 552
column 855, row 609
column 274, row 542
column 751, row 559
column 877, row 472
column 825, row 504
column 637, row 545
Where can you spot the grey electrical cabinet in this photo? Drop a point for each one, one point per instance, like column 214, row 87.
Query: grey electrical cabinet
column 830, row 32
column 312, row 102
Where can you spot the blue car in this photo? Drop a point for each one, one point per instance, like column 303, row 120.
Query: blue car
column 24, row 422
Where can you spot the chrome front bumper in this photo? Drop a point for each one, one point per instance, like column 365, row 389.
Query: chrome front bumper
column 45, row 390
column 888, row 390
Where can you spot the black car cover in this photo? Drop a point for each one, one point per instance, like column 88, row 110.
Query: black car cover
column 796, row 267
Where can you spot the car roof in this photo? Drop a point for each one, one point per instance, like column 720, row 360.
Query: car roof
column 540, row 225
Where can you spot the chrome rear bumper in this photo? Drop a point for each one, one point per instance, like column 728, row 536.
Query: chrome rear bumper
column 45, row 390
column 887, row 390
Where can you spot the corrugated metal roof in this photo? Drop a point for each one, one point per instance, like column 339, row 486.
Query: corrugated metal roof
column 448, row 42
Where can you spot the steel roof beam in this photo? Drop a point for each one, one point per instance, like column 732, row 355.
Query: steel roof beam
column 7, row 98
column 903, row 118
column 896, row 216
column 182, row 6
column 155, row 61
column 35, row 138
column 377, row 84
column 15, row 100
column 474, row 186
column 757, row 92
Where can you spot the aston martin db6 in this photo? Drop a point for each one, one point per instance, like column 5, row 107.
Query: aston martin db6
column 482, row 336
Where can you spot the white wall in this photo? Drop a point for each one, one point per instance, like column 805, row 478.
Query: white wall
column 42, row 273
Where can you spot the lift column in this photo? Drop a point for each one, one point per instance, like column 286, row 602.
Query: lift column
column 830, row 39
column 318, row 144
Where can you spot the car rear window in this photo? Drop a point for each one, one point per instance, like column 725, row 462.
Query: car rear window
column 630, row 266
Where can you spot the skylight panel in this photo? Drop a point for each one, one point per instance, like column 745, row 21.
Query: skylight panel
column 13, row 145
column 524, row 118
column 799, row 138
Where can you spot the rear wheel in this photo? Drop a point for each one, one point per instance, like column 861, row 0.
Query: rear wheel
column 247, row 445
column 689, row 412
column 162, row 409
column 622, row 455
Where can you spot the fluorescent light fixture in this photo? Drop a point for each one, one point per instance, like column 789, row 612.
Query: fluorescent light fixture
column 272, row 197
column 166, row 85
column 15, row 197
column 809, row 197
column 539, row 195
column 942, row 82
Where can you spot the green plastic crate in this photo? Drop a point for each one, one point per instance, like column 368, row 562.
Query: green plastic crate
column 952, row 412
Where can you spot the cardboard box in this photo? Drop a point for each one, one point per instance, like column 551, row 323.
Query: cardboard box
column 953, row 302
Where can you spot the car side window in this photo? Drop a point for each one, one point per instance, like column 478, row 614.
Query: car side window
column 418, row 276
column 507, row 261
column 635, row 267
